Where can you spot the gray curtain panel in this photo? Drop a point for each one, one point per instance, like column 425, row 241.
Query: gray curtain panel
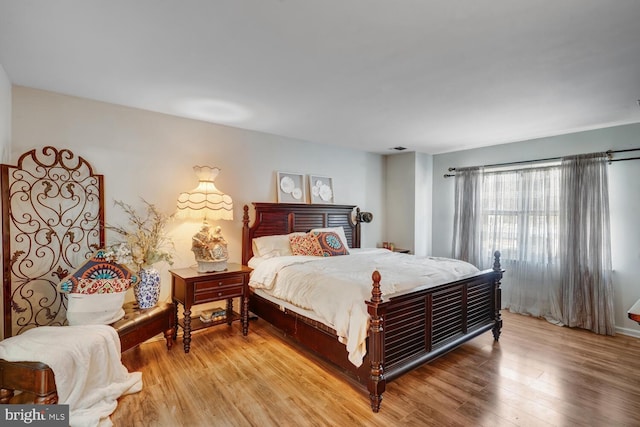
column 585, row 298
column 467, row 222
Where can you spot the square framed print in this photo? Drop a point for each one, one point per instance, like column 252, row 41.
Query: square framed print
column 291, row 188
column 321, row 189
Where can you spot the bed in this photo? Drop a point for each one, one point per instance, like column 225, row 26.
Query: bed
column 405, row 329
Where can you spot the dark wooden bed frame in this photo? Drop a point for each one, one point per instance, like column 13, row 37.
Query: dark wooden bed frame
column 406, row 329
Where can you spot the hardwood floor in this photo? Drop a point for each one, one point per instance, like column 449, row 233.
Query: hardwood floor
column 537, row 375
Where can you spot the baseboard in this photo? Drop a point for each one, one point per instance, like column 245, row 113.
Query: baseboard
column 628, row 331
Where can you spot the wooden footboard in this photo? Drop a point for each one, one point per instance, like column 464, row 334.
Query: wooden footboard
column 412, row 328
column 405, row 331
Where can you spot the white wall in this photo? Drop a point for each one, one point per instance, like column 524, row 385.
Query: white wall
column 5, row 116
column 624, row 192
column 408, row 198
column 151, row 155
column 400, row 190
column 423, row 198
column 5, row 136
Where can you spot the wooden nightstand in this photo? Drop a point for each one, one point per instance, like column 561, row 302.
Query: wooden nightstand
column 189, row 288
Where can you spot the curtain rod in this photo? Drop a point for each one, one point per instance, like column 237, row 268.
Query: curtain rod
column 609, row 153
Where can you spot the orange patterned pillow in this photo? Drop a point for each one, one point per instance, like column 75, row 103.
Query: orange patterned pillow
column 330, row 243
column 305, row 244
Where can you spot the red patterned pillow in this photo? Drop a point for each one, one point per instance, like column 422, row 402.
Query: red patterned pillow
column 305, row 244
column 97, row 275
column 330, row 243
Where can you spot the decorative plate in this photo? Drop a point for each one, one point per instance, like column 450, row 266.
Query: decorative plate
column 325, row 193
column 287, row 184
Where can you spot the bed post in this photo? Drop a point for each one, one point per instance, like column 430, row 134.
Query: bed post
column 497, row 326
column 246, row 244
column 357, row 230
column 377, row 381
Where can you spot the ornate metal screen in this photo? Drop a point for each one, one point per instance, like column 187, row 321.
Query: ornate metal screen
column 52, row 220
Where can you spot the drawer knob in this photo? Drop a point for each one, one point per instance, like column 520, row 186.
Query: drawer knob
column 219, row 293
column 219, row 283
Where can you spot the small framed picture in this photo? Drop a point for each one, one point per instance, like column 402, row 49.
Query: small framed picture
column 291, row 188
column 321, row 189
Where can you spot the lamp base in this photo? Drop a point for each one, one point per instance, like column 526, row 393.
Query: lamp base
column 209, row 266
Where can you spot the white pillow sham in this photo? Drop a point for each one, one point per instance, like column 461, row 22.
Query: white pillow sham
column 270, row 246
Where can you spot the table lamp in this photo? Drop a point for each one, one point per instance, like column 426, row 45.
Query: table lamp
column 206, row 202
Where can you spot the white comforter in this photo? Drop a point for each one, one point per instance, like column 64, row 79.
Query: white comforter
column 335, row 288
column 86, row 363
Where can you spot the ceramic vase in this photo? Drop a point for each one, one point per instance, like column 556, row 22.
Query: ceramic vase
column 147, row 291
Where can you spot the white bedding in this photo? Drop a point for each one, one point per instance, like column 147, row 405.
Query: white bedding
column 335, row 288
column 86, row 363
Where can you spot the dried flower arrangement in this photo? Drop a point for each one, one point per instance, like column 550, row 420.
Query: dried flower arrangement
column 146, row 242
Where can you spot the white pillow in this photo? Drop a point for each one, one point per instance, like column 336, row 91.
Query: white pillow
column 339, row 231
column 95, row 309
column 270, row 246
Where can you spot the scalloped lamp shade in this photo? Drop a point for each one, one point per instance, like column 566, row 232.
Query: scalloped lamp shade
column 205, row 201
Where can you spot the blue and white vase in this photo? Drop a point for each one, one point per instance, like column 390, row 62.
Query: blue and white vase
column 147, row 290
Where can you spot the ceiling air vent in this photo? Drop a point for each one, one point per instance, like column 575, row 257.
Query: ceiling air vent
column 399, row 148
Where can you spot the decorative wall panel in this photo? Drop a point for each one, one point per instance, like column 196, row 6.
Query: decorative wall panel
column 52, row 220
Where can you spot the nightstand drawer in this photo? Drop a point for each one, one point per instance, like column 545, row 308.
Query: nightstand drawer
column 217, row 293
column 206, row 285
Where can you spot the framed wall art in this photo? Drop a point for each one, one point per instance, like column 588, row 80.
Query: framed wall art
column 321, row 189
column 291, row 188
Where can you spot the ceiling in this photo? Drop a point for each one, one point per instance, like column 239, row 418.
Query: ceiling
column 432, row 76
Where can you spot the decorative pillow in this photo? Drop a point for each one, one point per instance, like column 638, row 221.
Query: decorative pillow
column 95, row 309
column 305, row 244
column 338, row 230
column 101, row 286
column 97, row 275
column 330, row 243
column 96, row 291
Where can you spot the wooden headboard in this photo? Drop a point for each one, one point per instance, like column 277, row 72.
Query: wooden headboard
column 284, row 218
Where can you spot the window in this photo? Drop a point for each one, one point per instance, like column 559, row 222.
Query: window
column 520, row 214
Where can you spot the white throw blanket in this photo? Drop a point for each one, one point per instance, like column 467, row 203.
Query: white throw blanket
column 85, row 360
column 335, row 288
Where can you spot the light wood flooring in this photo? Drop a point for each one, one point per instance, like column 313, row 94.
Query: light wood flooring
column 537, row 375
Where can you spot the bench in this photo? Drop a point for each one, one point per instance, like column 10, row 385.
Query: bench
column 137, row 326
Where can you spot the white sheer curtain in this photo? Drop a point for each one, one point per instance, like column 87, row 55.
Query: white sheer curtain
column 520, row 219
column 551, row 225
column 585, row 298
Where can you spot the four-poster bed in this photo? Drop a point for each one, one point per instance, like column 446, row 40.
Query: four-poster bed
column 406, row 329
